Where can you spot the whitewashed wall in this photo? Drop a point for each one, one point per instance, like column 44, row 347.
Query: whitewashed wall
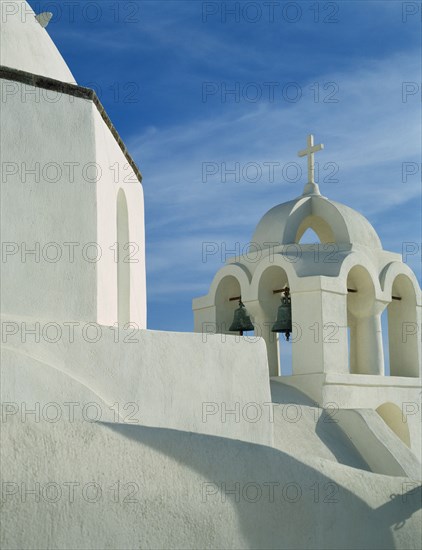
column 61, row 172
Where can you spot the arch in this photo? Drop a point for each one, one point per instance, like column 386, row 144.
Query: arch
column 403, row 328
column 364, row 323
column 273, row 277
column 123, row 266
column 395, row 420
column 334, row 222
column 281, row 260
column 235, row 270
column 362, row 296
column 309, row 237
column 215, row 310
column 389, row 274
column 228, row 287
column 363, row 261
column 271, row 274
column 319, row 226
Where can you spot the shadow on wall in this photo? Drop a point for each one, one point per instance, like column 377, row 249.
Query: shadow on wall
column 294, row 518
column 330, row 433
column 327, row 428
column 413, row 496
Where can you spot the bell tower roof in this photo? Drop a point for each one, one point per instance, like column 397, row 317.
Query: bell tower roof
column 26, row 45
column 333, row 222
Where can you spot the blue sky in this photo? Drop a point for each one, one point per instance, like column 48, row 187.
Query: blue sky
column 336, row 69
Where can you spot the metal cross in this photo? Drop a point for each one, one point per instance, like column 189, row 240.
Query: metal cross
column 309, row 152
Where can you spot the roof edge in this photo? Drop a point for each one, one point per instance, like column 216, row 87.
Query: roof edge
column 47, row 83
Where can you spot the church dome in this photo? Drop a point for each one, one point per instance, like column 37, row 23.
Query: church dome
column 26, row 45
column 333, row 222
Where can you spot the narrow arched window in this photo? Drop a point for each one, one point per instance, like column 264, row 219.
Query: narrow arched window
column 123, row 265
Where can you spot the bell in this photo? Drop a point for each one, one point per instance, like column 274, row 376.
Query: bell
column 241, row 320
column 284, row 315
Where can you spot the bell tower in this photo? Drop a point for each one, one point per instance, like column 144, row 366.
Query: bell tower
column 338, row 289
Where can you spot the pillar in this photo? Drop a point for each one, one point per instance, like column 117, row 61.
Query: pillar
column 263, row 322
column 320, row 332
column 368, row 345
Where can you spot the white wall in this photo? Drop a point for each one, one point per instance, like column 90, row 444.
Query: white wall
column 52, row 135
column 174, row 380
column 66, row 209
column 174, row 493
column 356, row 391
column 381, row 448
column 118, row 176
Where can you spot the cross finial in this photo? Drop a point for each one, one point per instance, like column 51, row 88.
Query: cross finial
column 311, row 149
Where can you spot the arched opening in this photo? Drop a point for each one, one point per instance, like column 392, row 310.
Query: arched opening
column 123, row 265
column 395, row 420
column 364, row 324
column 319, row 227
column 226, row 302
column 272, row 280
column 403, row 329
column 309, row 237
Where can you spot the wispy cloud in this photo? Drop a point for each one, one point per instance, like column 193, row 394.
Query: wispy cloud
column 369, row 133
column 349, row 75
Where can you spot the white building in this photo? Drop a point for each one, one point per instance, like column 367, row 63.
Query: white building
column 72, row 189
column 114, row 436
column 339, row 288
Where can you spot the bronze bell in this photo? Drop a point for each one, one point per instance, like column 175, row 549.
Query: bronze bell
column 241, row 320
column 284, row 315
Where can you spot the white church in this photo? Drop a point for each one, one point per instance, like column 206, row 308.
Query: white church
column 115, row 436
